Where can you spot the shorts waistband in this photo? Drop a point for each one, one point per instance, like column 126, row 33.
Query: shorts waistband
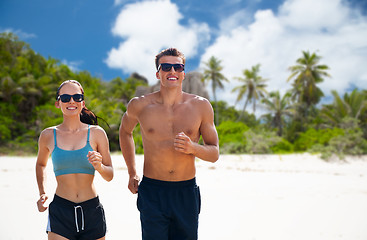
column 191, row 182
column 67, row 203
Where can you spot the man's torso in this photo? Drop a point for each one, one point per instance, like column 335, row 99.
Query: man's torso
column 159, row 125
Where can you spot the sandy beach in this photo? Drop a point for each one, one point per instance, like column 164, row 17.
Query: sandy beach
column 250, row 197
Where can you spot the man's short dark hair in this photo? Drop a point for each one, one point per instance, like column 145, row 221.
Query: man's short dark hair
column 169, row 52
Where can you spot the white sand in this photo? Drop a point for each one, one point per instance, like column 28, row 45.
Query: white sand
column 288, row 197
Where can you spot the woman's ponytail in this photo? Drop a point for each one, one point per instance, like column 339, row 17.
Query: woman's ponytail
column 88, row 117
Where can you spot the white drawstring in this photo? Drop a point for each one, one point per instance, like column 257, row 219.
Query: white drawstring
column 76, row 218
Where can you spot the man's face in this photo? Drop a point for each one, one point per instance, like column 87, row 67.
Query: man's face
column 171, row 78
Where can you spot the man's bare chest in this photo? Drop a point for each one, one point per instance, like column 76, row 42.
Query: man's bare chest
column 160, row 122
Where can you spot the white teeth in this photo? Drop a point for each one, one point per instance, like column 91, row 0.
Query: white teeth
column 171, row 78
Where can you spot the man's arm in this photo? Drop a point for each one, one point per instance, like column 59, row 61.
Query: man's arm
column 210, row 150
column 127, row 145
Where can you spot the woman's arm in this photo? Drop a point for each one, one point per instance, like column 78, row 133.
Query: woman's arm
column 42, row 158
column 101, row 159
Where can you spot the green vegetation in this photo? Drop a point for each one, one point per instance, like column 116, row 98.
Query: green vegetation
column 28, row 84
column 293, row 122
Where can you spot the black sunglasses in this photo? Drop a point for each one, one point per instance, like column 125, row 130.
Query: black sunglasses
column 166, row 67
column 66, row 97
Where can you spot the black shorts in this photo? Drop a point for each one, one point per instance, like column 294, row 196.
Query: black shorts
column 85, row 220
column 169, row 210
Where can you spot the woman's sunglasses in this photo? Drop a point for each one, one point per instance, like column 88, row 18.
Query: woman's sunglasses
column 166, row 67
column 66, row 97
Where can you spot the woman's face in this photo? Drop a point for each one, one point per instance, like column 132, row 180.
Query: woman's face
column 72, row 107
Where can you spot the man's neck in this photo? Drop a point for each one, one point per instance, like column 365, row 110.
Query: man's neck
column 171, row 96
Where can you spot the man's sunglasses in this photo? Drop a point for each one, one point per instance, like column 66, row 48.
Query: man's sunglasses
column 66, row 97
column 166, row 67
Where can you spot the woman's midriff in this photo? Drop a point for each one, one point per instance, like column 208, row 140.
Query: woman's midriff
column 76, row 187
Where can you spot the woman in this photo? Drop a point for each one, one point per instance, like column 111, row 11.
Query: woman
column 78, row 147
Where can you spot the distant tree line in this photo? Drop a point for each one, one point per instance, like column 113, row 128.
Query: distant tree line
column 293, row 122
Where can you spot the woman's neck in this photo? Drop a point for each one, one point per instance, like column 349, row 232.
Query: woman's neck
column 71, row 124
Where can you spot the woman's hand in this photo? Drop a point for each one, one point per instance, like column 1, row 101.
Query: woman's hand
column 41, row 203
column 95, row 158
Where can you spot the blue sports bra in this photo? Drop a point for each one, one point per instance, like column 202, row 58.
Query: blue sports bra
column 72, row 161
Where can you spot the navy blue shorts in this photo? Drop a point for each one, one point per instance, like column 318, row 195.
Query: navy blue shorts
column 85, row 220
column 169, row 210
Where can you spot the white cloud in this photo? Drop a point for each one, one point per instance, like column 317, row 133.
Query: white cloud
column 330, row 28
column 148, row 27
column 21, row 34
column 240, row 17
column 73, row 65
column 312, row 15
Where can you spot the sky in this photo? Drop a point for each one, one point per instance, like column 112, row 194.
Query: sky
column 114, row 38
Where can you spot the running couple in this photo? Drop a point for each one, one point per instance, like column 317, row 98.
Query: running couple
column 171, row 123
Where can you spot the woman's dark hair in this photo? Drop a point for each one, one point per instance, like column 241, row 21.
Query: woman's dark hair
column 86, row 116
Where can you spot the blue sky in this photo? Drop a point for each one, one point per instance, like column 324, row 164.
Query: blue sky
column 115, row 38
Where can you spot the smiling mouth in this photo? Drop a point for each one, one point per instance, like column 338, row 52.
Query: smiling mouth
column 172, row 79
column 71, row 108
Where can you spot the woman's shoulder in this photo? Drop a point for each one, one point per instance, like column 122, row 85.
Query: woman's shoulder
column 47, row 134
column 97, row 130
column 48, row 131
column 97, row 134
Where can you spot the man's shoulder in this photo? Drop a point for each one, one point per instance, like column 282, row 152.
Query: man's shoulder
column 140, row 100
column 145, row 97
column 195, row 98
column 136, row 104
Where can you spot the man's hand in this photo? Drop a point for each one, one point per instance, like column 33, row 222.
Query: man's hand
column 134, row 183
column 183, row 143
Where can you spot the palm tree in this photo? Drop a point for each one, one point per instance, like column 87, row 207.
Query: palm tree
column 307, row 74
column 351, row 105
column 8, row 87
column 30, row 97
column 279, row 107
column 213, row 73
column 253, row 87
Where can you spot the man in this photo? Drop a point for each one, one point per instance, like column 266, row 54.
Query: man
column 171, row 123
